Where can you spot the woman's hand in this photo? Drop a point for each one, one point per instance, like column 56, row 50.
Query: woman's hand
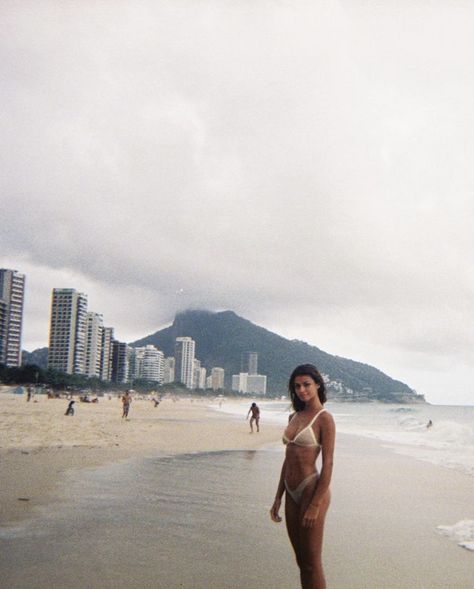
column 310, row 516
column 274, row 511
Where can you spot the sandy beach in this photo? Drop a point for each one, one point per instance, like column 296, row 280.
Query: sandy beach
column 38, row 443
column 381, row 530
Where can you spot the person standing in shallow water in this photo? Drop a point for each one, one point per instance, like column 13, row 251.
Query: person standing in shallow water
column 311, row 431
column 255, row 411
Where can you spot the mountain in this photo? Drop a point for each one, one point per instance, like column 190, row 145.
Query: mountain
column 39, row 357
column 222, row 338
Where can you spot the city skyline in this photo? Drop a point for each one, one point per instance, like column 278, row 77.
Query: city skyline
column 307, row 166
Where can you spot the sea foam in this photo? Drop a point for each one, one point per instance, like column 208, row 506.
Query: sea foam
column 462, row 533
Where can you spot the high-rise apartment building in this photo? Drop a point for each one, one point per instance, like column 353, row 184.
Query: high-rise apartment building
column 120, row 362
column 93, row 352
column 239, row 382
column 184, row 360
column 12, row 294
column 250, row 362
column 257, row 383
column 152, row 365
column 147, row 363
column 199, row 375
column 67, row 336
column 249, row 383
column 106, row 354
column 168, row 370
column 217, row 378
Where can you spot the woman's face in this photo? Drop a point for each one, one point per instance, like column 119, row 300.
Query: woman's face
column 305, row 388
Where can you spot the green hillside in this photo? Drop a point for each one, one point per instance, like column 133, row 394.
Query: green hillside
column 221, row 338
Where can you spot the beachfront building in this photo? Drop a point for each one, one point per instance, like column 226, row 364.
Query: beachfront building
column 106, row 354
column 239, row 382
column 184, row 358
column 199, row 375
column 3, row 329
column 257, row 384
column 151, row 367
column 147, row 363
column 12, row 294
column 93, row 352
column 202, row 378
column 120, row 362
column 67, row 335
column 249, row 383
column 168, row 370
column 217, row 378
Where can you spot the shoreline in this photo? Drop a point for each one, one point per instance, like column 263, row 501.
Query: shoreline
column 382, row 528
column 39, row 444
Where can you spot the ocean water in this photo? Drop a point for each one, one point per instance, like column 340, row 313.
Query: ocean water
column 195, row 521
column 402, row 428
column 448, row 443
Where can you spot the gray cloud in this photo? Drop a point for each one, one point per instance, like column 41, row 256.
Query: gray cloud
column 309, row 166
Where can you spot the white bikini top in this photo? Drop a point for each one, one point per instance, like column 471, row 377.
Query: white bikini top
column 305, row 437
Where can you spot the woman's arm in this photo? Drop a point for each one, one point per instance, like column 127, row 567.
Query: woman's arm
column 279, row 494
column 328, row 438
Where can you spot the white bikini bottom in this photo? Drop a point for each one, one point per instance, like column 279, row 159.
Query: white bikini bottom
column 296, row 494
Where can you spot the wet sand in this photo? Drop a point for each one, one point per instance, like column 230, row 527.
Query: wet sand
column 381, row 528
column 38, row 443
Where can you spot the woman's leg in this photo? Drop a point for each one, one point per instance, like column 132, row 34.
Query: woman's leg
column 311, row 546
column 292, row 519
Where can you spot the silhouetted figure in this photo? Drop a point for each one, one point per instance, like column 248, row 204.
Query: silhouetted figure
column 70, row 408
column 255, row 411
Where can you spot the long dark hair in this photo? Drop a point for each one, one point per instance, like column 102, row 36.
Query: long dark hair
column 312, row 372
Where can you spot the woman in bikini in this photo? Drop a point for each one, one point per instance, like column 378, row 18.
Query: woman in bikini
column 310, row 430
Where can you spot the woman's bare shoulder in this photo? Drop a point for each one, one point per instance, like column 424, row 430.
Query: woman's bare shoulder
column 290, row 417
column 327, row 419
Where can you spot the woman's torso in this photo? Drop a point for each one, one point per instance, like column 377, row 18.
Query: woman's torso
column 303, row 436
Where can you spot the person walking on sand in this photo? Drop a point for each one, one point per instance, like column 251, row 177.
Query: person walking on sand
column 126, row 400
column 255, row 411
column 70, row 408
column 311, row 431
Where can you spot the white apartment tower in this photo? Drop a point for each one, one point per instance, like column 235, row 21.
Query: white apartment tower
column 12, row 294
column 148, row 364
column 106, row 354
column 217, row 378
column 67, row 336
column 257, row 383
column 184, row 360
column 168, row 370
column 93, row 353
column 250, row 362
column 199, row 375
column 249, row 383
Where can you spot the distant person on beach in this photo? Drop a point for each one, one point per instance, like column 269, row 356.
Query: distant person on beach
column 70, row 408
column 429, row 424
column 126, row 400
column 29, row 392
column 310, row 431
column 255, row 411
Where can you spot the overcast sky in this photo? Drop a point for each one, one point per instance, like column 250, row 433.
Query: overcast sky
column 308, row 165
